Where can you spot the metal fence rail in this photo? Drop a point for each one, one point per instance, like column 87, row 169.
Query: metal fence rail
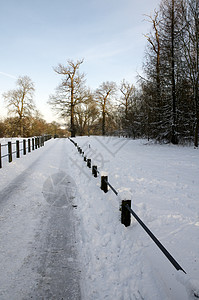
column 126, row 208
column 162, row 248
column 33, row 143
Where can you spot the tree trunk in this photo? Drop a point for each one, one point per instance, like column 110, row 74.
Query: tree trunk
column 197, row 77
column 21, row 126
column 72, row 111
column 174, row 139
column 196, row 133
column 103, row 123
column 73, row 131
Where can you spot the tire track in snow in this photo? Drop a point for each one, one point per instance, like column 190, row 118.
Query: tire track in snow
column 56, row 247
column 17, row 184
column 38, row 252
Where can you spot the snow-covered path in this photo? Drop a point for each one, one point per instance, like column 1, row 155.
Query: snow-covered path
column 58, row 228
column 37, row 250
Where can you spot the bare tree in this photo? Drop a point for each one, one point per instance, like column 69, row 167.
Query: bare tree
column 127, row 91
column 70, row 92
column 190, row 39
column 87, row 114
column 20, row 101
column 171, row 27
column 154, row 73
column 154, row 41
column 104, row 94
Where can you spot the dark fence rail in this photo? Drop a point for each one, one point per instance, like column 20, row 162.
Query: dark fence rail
column 126, row 210
column 21, row 146
column 157, row 242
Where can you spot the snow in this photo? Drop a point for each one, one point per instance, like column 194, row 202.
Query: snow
column 116, row 262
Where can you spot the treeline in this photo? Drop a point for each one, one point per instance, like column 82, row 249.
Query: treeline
column 169, row 91
column 32, row 126
column 163, row 106
column 25, row 120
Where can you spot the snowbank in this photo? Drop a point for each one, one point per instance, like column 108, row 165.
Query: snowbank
column 163, row 183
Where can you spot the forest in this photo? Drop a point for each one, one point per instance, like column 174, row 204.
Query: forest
column 163, row 105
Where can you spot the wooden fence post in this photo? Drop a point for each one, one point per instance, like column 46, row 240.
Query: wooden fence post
column 29, row 149
column 33, row 146
column 94, row 171
column 89, row 163
column 0, row 157
column 104, row 185
column 17, row 149
column 125, row 213
column 36, row 143
column 24, row 147
column 10, row 152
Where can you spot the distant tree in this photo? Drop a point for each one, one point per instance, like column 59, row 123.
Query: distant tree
column 152, row 86
column 20, row 100
column 38, row 126
column 172, row 63
column 104, row 95
column 11, row 127
column 167, row 99
column 2, row 129
column 55, row 126
column 86, row 114
column 127, row 90
column 190, row 44
column 70, row 92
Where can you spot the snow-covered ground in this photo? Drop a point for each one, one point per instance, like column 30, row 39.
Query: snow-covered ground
column 116, row 262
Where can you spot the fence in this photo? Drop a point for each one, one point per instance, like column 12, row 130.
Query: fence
column 126, row 210
column 30, row 144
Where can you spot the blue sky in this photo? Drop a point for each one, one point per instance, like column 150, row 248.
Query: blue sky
column 36, row 35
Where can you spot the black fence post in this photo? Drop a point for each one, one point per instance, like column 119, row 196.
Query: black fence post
column 33, row 144
column 85, row 158
column 89, row 163
column 10, row 152
column 29, row 148
column 17, row 149
column 38, row 142
column 94, row 171
column 125, row 213
column 0, row 157
column 24, row 147
column 104, row 185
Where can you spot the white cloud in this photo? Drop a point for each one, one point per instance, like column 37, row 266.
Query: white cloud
column 8, row 75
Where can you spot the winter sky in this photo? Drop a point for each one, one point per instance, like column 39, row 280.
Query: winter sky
column 36, row 35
